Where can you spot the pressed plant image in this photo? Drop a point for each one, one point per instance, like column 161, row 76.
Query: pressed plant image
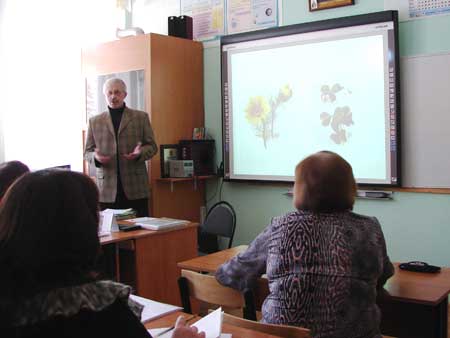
column 341, row 117
column 261, row 113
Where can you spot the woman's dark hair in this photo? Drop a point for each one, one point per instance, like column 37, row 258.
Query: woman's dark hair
column 48, row 233
column 9, row 172
column 326, row 183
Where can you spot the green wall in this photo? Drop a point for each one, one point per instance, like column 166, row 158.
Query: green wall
column 416, row 226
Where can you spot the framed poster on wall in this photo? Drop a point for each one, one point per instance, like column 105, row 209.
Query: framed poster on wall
column 315, row 5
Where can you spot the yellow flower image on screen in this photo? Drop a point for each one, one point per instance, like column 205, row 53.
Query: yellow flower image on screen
column 257, row 110
column 261, row 113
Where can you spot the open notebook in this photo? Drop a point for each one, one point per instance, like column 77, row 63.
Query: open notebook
column 152, row 309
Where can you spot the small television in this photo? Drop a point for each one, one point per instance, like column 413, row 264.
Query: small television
column 291, row 91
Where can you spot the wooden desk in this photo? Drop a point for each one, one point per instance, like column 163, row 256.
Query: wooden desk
column 413, row 306
column 155, row 258
column 236, row 332
column 210, row 263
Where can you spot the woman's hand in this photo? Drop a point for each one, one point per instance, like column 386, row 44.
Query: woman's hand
column 182, row 330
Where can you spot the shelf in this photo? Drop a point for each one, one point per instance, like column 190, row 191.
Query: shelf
column 193, row 179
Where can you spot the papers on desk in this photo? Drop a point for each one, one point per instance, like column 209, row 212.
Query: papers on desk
column 122, row 213
column 157, row 333
column 152, row 309
column 104, row 233
column 152, row 223
column 119, row 211
column 107, row 222
column 160, row 332
column 210, row 324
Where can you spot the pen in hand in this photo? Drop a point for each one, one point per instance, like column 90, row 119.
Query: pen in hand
column 187, row 319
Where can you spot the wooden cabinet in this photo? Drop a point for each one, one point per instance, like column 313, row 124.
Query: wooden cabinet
column 173, row 99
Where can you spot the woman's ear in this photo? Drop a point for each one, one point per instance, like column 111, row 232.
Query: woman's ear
column 297, row 199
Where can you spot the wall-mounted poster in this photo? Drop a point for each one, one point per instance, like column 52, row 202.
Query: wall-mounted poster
column 95, row 99
column 215, row 18
column 244, row 16
column 417, row 9
column 208, row 17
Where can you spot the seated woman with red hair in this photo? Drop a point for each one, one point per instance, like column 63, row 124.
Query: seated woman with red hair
column 324, row 262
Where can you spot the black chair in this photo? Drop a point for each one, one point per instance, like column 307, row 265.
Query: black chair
column 220, row 221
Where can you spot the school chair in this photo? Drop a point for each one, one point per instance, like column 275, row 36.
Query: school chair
column 285, row 331
column 205, row 288
column 219, row 222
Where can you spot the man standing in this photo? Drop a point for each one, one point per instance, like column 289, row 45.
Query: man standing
column 118, row 143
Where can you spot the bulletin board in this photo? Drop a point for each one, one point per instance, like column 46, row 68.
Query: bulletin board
column 425, row 121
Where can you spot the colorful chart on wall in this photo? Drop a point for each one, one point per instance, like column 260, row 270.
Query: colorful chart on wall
column 207, row 16
column 214, row 18
column 249, row 15
column 414, row 9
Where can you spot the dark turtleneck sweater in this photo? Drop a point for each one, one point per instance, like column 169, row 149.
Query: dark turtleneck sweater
column 116, row 117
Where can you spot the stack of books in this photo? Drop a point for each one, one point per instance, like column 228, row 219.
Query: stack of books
column 152, row 223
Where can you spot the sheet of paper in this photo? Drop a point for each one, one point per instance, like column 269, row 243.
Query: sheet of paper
column 157, row 332
column 152, row 309
column 211, row 324
column 119, row 211
column 103, row 234
column 107, row 221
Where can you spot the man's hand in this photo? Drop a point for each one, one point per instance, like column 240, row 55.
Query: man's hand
column 135, row 154
column 183, row 330
column 103, row 159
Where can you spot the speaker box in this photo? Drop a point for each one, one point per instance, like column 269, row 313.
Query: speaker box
column 185, row 27
column 172, row 25
column 180, row 26
column 202, row 153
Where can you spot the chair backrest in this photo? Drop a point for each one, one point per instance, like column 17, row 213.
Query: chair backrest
column 220, row 221
column 272, row 329
column 207, row 289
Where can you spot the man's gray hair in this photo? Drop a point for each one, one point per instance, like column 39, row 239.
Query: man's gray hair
column 114, row 81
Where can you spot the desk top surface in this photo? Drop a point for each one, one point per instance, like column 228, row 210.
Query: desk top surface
column 413, row 287
column 236, row 332
column 120, row 236
column 419, row 287
column 210, row 263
